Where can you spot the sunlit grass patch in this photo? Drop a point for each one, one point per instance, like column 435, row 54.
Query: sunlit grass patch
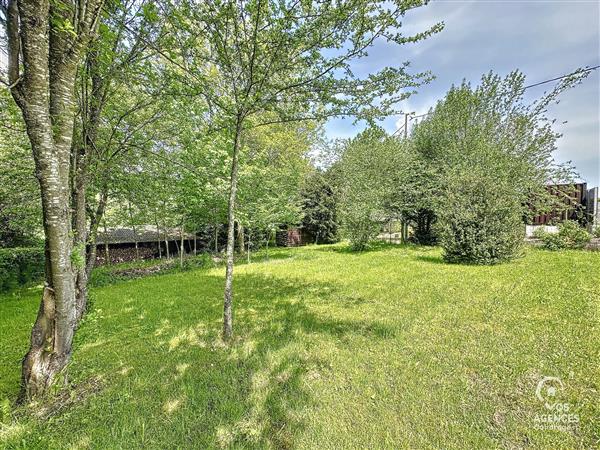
column 382, row 349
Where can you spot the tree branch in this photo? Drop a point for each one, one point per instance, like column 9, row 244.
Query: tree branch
column 14, row 48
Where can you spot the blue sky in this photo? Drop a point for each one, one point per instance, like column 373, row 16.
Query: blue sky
column 543, row 39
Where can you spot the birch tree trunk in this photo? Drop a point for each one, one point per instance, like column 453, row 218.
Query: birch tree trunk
column 80, row 232
column 106, row 252
column 81, row 157
column 267, row 246
column 137, row 247
column 44, row 93
column 240, row 238
column 133, row 227
column 158, row 238
column 228, row 296
column 216, row 238
column 182, row 249
column 167, row 244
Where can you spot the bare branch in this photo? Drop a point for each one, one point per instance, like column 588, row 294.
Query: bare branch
column 14, row 44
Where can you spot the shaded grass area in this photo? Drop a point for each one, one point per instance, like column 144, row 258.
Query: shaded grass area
column 380, row 349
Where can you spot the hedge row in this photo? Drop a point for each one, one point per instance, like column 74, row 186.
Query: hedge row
column 19, row 266
column 570, row 236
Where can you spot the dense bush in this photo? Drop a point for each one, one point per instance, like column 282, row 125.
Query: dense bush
column 482, row 223
column 319, row 208
column 596, row 232
column 19, row 266
column 366, row 174
column 424, row 226
column 490, row 155
column 202, row 260
column 360, row 229
column 570, row 236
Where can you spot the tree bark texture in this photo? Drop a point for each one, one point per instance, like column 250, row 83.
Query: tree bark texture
column 82, row 238
column 182, row 249
column 106, row 249
column 240, row 234
column 93, row 232
column 228, row 296
column 44, row 92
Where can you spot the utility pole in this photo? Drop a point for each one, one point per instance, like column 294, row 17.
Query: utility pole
column 406, row 117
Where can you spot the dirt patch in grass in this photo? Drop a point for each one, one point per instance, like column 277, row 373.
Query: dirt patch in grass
column 66, row 398
column 138, row 272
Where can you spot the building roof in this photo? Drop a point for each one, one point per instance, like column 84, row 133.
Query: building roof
column 144, row 233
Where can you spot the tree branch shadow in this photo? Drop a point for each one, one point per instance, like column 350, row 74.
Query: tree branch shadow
column 155, row 344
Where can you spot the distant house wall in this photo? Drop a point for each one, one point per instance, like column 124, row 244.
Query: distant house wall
column 574, row 196
column 151, row 242
column 530, row 229
column 593, row 206
column 293, row 237
column 125, row 251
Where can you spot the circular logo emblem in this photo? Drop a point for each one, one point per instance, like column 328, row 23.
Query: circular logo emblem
column 548, row 389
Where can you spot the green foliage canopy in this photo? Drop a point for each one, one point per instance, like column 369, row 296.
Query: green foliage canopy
column 491, row 152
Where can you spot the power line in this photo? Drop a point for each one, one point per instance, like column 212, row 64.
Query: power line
column 562, row 77
column 398, row 130
column 577, row 72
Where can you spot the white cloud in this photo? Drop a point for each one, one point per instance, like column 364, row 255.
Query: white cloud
column 542, row 39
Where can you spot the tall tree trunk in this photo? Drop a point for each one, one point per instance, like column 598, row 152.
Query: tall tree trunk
column 267, row 246
column 44, row 93
column 82, row 155
column 137, row 247
column 158, row 238
column 167, row 243
column 80, row 230
column 106, row 252
column 402, row 232
column 52, row 334
column 240, row 238
column 135, row 237
column 181, row 250
column 228, row 295
column 93, row 233
column 216, row 238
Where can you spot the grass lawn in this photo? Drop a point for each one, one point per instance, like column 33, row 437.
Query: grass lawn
column 388, row 348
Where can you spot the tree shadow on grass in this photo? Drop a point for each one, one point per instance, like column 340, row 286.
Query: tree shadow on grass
column 289, row 327
column 275, row 254
column 373, row 246
column 272, row 358
column 170, row 381
column 439, row 259
column 431, row 259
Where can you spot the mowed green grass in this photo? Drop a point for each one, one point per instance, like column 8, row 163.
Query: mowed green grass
column 390, row 348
